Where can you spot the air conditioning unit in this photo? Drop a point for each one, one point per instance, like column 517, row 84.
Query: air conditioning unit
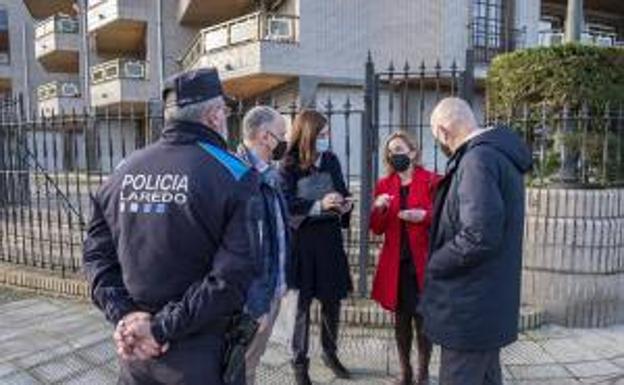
column 4, row 58
column 279, row 28
column 135, row 70
column 67, row 25
column 604, row 41
column 70, row 90
column 550, row 39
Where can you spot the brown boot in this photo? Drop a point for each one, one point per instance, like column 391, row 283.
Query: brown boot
column 424, row 354
column 404, row 335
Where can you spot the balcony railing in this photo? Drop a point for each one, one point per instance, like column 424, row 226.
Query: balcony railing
column 58, row 89
column 254, row 27
column 119, row 69
column 57, row 24
column 552, row 37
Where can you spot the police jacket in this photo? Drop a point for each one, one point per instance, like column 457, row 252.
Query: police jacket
column 173, row 233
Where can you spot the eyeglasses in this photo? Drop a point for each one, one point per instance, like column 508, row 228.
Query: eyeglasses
column 275, row 136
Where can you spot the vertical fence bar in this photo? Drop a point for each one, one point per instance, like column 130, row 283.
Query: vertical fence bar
column 38, row 216
column 75, row 126
column 329, row 112
column 67, row 133
column 12, row 191
column 367, row 156
column 46, row 121
column 55, row 121
column 437, row 99
column 31, row 165
column 4, row 187
column 584, row 122
column 620, row 146
column 605, row 145
column 391, row 97
column 347, row 126
column 405, row 98
column 22, row 184
column 421, row 106
column 110, row 139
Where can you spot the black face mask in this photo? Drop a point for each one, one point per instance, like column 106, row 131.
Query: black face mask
column 400, row 162
column 280, row 150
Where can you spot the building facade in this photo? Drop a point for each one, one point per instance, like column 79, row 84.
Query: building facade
column 71, row 54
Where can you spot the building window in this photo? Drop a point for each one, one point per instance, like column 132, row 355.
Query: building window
column 488, row 23
column 4, row 36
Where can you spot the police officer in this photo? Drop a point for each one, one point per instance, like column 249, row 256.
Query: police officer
column 169, row 251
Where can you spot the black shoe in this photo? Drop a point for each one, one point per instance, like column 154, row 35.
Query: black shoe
column 301, row 373
column 333, row 363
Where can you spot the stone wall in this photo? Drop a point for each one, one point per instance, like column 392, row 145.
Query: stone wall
column 574, row 255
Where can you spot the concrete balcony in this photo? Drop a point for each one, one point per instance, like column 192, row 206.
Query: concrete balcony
column 59, row 97
column 120, row 84
column 41, row 9
column 253, row 54
column 119, row 26
column 207, row 12
column 57, row 44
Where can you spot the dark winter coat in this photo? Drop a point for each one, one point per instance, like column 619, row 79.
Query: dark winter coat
column 321, row 265
column 472, row 286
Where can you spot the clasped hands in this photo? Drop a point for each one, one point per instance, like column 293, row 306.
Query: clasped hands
column 134, row 340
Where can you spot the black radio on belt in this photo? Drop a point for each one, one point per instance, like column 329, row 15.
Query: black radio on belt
column 238, row 338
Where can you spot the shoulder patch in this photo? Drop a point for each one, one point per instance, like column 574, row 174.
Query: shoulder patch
column 235, row 166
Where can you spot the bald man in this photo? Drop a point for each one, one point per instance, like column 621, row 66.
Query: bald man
column 472, row 291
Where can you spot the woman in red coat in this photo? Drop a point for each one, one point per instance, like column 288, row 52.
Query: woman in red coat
column 402, row 214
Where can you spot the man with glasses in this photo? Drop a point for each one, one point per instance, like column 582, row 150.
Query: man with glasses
column 170, row 252
column 264, row 132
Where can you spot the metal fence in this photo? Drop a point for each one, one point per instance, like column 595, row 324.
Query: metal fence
column 572, row 145
column 50, row 166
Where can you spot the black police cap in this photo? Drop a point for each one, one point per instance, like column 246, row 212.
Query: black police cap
column 193, row 86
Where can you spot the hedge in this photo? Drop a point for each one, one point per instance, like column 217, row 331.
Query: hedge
column 569, row 74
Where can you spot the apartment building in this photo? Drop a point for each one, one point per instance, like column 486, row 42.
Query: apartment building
column 71, row 54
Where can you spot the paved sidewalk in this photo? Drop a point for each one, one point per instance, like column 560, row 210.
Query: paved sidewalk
column 52, row 341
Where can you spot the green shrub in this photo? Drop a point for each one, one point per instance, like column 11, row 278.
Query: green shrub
column 572, row 74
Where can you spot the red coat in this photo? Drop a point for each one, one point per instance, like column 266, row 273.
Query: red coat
column 386, row 223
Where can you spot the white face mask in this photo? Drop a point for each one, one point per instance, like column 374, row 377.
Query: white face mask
column 322, row 145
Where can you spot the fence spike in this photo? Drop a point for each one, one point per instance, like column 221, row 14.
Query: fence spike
column 347, row 104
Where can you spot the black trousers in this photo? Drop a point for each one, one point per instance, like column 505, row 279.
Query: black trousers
column 330, row 317
column 470, row 367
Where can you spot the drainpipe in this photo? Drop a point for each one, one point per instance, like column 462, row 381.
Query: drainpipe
column 83, row 12
column 27, row 90
column 574, row 21
column 161, row 49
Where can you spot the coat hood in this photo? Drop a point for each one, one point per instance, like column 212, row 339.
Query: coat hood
column 508, row 143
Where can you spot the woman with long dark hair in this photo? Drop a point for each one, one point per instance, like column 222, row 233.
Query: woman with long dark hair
column 402, row 214
column 320, row 207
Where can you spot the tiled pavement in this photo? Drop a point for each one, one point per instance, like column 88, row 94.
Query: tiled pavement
column 52, row 341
